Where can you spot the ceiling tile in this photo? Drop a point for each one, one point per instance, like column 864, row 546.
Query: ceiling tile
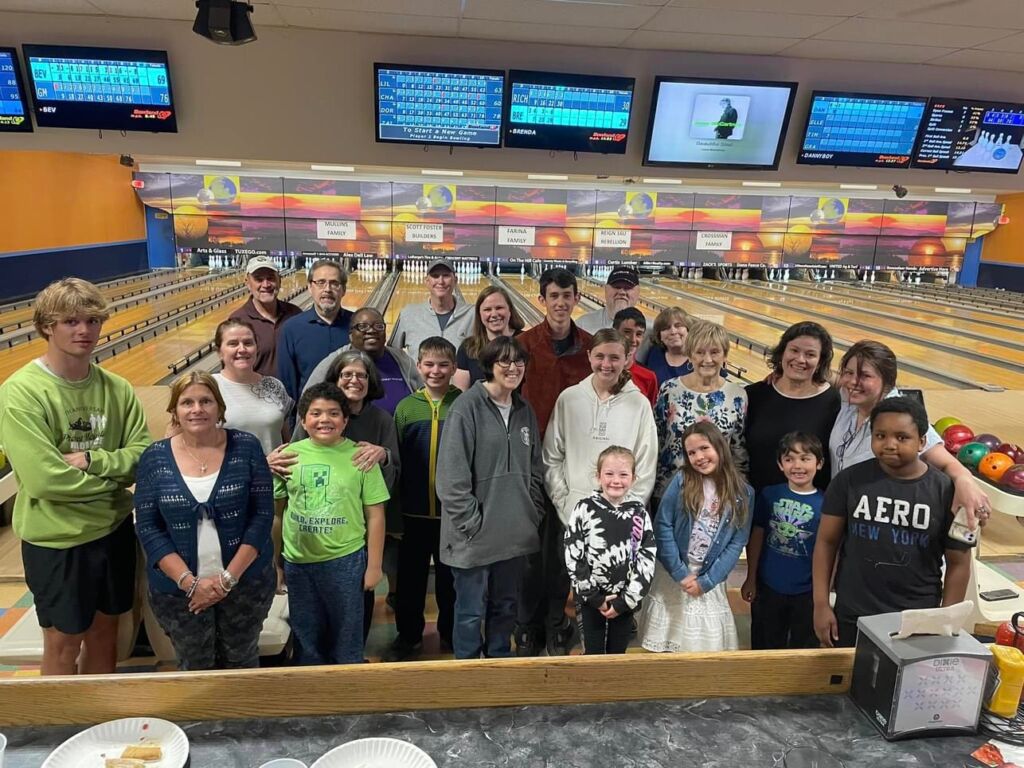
column 359, row 21
column 48, row 6
column 405, row 7
column 845, row 8
column 716, row 22
column 681, row 41
column 898, row 32
column 1003, row 14
column 542, row 33
column 839, row 49
column 1012, row 62
column 1014, row 43
column 582, row 14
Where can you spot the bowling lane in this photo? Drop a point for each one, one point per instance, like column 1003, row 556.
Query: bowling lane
column 938, row 333
column 767, row 335
column 412, row 290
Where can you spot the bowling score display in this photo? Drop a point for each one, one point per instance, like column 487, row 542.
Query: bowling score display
column 13, row 106
column 962, row 135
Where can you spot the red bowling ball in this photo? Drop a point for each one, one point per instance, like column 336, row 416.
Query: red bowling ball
column 989, row 440
column 1015, row 452
column 957, row 436
column 1013, row 479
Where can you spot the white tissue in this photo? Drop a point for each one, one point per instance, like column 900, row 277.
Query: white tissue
column 946, row 622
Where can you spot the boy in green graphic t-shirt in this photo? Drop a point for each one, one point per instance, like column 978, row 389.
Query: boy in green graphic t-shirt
column 332, row 531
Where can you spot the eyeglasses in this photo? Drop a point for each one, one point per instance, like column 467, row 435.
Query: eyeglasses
column 335, row 284
column 366, row 327
column 508, row 364
column 353, row 376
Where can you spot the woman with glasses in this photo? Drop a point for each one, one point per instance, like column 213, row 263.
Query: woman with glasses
column 494, row 316
column 490, row 481
column 867, row 375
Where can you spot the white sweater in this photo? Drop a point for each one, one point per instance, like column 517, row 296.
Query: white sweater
column 581, row 427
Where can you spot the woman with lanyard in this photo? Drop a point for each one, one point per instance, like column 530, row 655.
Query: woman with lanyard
column 796, row 397
column 203, row 511
column 494, row 316
column 867, row 375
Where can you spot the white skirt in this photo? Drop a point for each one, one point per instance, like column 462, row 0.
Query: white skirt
column 672, row 621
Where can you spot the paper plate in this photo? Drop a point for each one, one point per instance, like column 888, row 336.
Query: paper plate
column 88, row 749
column 376, row 753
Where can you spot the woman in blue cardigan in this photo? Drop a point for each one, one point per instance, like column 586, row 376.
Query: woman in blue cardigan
column 203, row 509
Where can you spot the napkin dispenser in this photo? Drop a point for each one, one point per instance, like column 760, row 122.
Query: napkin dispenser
column 923, row 685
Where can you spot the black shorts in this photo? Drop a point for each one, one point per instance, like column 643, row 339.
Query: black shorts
column 69, row 586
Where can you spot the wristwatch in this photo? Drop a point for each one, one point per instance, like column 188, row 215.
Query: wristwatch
column 227, row 580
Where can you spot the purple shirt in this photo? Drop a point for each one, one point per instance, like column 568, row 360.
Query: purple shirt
column 395, row 387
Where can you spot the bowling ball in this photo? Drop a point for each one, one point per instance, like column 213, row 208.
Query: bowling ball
column 957, row 435
column 945, row 423
column 971, row 454
column 1013, row 478
column 994, row 465
column 988, row 439
column 1012, row 450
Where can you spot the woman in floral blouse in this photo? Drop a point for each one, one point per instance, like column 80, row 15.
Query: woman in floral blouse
column 703, row 395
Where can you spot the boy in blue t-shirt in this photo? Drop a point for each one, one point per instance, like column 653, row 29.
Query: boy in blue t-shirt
column 786, row 516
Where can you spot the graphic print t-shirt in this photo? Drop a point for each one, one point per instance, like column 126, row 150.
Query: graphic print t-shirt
column 326, row 495
column 896, row 534
column 790, row 521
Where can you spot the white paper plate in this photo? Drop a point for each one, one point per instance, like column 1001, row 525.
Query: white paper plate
column 376, row 753
column 89, row 748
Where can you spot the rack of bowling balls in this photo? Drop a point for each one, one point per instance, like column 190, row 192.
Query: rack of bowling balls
column 991, row 459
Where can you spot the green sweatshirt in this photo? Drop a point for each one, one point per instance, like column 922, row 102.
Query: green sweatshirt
column 43, row 417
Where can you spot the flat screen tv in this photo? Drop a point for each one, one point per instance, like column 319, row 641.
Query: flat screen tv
column 862, row 130
column 117, row 89
column 571, row 113
column 713, row 123
column 971, row 135
column 14, row 114
column 438, row 105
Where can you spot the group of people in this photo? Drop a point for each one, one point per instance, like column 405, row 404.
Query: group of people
column 527, row 465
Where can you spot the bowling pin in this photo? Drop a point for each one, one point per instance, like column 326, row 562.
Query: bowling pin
column 872, row 276
column 785, row 275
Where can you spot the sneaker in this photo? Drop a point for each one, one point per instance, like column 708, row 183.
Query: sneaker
column 529, row 641
column 401, row 649
column 564, row 640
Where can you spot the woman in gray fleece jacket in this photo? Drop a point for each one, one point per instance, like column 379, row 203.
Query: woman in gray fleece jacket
column 490, row 481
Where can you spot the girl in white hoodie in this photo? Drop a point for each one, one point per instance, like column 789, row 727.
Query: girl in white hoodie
column 604, row 409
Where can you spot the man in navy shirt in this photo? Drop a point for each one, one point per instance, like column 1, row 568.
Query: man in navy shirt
column 308, row 338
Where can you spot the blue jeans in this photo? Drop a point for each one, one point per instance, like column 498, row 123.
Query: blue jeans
column 325, row 606
column 486, row 599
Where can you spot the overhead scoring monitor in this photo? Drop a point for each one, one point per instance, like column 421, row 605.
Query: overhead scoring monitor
column 438, row 105
column 103, row 88
column 861, row 130
column 967, row 135
column 14, row 114
column 573, row 113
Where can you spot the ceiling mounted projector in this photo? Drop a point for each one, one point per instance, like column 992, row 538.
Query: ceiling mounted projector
column 224, row 21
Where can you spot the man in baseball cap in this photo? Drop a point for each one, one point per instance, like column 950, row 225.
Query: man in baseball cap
column 441, row 315
column 621, row 291
column 264, row 311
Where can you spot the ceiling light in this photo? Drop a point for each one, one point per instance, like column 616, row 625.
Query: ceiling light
column 339, row 168
column 547, row 177
column 953, row 190
column 662, row 181
column 858, row 186
column 224, row 21
column 221, row 163
column 762, row 183
column 440, row 172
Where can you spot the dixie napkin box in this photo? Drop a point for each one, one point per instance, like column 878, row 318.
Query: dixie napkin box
column 925, row 685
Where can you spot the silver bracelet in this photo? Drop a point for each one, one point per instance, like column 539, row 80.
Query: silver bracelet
column 192, row 589
column 183, row 576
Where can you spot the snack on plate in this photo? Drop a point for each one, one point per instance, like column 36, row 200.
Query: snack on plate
column 145, row 752
column 120, row 762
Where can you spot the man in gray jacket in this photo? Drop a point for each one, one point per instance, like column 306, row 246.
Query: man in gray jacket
column 490, row 480
column 441, row 315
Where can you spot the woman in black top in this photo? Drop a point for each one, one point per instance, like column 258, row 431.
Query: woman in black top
column 493, row 316
column 796, row 397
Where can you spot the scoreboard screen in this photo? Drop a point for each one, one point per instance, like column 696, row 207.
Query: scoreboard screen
column 439, row 105
column 573, row 113
column 861, row 130
column 14, row 114
column 967, row 135
column 102, row 88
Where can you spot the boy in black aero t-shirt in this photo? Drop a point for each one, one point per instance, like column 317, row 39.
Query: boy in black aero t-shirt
column 888, row 520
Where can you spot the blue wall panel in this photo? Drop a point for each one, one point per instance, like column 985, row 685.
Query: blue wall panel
column 26, row 273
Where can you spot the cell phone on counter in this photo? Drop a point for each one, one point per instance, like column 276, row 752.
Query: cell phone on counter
column 998, row 594
column 960, row 531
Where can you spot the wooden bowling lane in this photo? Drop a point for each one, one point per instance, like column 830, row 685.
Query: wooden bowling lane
column 748, row 328
column 952, row 339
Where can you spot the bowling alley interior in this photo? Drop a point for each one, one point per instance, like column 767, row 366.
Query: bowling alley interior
column 249, row 199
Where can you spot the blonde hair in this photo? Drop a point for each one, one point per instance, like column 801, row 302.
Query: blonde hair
column 68, row 297
column 730, row 486
column 705, row 334
column 182, row 383
column 616, row 450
